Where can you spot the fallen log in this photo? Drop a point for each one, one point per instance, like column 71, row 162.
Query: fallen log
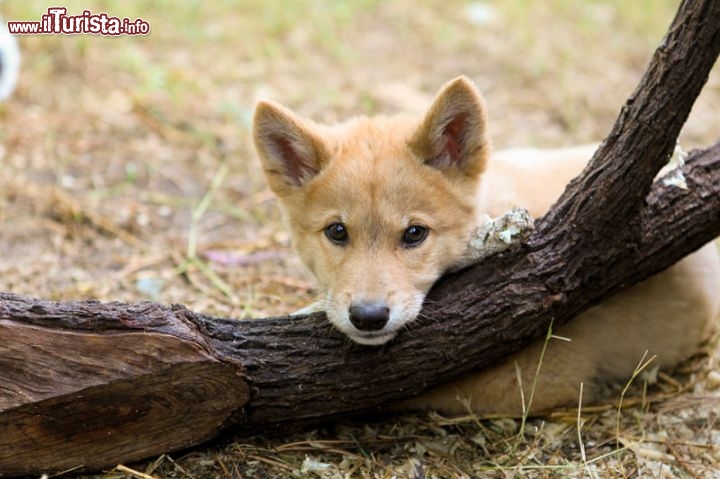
column 85, row 385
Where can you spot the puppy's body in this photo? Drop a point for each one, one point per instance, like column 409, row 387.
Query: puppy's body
column 668, row 315
column 379, row 208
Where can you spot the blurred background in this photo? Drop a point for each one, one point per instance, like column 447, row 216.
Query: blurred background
column 126, row 166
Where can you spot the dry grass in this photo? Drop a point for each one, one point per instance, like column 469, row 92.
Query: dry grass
column 128, row 174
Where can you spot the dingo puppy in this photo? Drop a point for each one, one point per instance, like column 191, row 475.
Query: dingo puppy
column 379, row 208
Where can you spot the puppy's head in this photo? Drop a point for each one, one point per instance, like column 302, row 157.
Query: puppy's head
column 378, row 208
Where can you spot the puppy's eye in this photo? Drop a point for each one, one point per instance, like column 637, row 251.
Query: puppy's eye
column 337, row 233
column 414, row 235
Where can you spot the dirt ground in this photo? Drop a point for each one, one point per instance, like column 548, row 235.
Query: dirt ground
column 128, row 174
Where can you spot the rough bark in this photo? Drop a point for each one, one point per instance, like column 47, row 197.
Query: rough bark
column 85, row 385
column 88, row 384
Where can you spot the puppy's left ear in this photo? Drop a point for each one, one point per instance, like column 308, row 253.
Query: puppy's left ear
column 453, row 134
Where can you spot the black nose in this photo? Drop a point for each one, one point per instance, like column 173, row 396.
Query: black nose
column 369, row 317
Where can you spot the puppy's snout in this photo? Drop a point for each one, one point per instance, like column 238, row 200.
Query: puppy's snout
column 368, row 316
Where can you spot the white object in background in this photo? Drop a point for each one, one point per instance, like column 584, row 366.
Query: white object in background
column 9, row 61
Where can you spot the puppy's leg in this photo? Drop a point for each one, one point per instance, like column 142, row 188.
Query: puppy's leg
column 496, row 235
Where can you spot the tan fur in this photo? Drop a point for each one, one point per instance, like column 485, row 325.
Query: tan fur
column 379, row 176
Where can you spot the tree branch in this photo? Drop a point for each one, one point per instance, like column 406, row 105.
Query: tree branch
column 618, row 179
column 478, row 317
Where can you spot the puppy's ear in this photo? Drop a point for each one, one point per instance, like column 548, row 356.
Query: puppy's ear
column 453, row 134
column 291, row 153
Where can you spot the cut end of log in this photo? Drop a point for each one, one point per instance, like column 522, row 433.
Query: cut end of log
column 104, row 396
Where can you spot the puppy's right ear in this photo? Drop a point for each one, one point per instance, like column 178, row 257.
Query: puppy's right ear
column 291, row 153
column 453, row 135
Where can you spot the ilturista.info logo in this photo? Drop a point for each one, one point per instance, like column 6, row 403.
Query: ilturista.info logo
column 57, row 22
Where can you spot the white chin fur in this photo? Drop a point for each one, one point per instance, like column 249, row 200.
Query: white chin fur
column 376, row 339
column 368, row 338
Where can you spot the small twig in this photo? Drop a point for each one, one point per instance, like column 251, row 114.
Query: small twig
column 133, row 472
column 202, row 207
column 191, row 254
column 526, row 408
column 642, row 364
column 580, row 423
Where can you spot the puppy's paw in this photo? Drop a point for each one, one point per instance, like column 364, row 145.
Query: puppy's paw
column 496, row 235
